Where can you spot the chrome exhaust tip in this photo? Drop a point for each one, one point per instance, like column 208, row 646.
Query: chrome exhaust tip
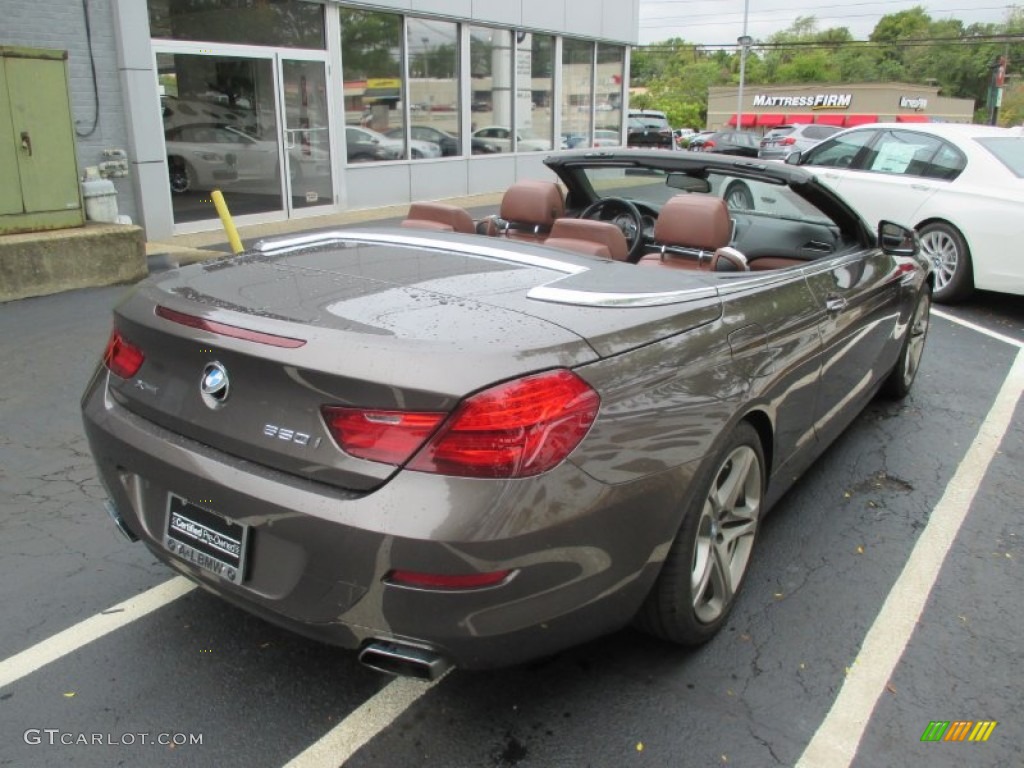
column 119, row 521
column 403, row 660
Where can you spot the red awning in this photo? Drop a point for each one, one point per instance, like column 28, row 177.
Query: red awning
column 852, row 120
column 794, row 119
column 830, row 119
column 912, row 119
column 748, row 120
column 770, row 120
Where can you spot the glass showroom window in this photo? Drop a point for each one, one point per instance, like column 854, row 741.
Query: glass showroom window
column 371, row 60
column 535, row 66
column 281, row 23
column 220, row 131
column 490, row 55
column 577, row 76
column 433, row 86
column 608, row 95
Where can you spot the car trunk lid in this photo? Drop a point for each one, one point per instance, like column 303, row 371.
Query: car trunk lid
column 351, row 322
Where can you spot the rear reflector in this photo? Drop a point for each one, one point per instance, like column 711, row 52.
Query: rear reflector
column 447, row 581
column 224, row 329
column 516, row 429
column 390, row 437
column 121, row 357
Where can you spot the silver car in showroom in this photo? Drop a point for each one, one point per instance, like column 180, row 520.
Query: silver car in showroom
column 479, row 443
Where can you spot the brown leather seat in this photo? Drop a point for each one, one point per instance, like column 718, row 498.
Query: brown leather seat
column 594, row 238
column 529, row 209
column 439, row 217
column 690, row 230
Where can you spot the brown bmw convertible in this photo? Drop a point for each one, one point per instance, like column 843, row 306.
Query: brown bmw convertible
column 477, row 443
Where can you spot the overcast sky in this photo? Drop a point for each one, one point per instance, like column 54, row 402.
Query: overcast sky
column 721, row 21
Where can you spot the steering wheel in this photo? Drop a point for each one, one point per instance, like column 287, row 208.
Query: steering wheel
column 633, row 230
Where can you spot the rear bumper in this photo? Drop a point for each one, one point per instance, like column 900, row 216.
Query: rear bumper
column 582, row 553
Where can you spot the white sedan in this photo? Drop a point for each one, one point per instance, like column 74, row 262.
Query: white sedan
column 959, row 186
column 418, row 149
column 502, row 137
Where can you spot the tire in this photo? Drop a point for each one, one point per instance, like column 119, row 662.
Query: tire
column 946, row 247
column 705, row 566
column 901, row 378
column 738, row 197
column 180, row 175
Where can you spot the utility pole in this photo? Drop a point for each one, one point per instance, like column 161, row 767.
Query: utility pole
column 744, row 42
column 995, row 91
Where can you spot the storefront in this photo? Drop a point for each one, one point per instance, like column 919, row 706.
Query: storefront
column 451, row 98
column 765, row 107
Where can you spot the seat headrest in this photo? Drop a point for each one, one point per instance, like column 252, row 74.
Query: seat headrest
column 536, row 203
column 601, row 233
column 438, row 216
column 694, row 221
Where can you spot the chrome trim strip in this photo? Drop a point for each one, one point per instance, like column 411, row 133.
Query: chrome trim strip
column 592, row 299
column 744, row 281
column 468, row 249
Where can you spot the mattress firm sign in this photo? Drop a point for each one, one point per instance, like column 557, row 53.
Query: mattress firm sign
column 816, row 101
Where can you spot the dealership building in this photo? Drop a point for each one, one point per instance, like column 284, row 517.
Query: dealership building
column 297, row 108
column 764, row 107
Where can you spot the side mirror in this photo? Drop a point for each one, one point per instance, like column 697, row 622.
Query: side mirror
column 897, row 240
column 793, row 158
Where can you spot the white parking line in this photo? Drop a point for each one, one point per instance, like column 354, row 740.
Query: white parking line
column 835, row 743
column 93, row 628
column 978, row 328
column 372, row 717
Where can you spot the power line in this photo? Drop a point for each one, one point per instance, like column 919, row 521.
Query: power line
column 831, row 45
column 722, row 16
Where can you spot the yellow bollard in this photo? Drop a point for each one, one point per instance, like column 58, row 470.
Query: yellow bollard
column 225, row 219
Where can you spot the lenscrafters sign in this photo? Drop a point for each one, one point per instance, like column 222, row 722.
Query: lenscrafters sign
column 913, row 102
column 817, row 101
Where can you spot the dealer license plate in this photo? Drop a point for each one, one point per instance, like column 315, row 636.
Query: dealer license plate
column 206, row 539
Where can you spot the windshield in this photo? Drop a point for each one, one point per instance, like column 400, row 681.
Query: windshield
column 1009, row 151
column 649, row 121
column 650, row 186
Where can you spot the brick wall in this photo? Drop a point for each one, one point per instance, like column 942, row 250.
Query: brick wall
column 60, row 24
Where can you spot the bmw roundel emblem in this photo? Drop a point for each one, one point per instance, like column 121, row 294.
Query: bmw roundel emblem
column 214, row 385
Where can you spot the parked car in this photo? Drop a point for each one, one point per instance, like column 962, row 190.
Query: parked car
column 205, row 156
column 780, row 141
column 449, row 143
column 960, row 186
column 442, row 448
column 649, row 129
column 696, row 142
column 367, row 142
column 741, row 143
column 501, row 136
column 682, row 137
column 604, row 137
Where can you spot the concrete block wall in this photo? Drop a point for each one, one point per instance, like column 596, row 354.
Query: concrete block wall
column 60, row 24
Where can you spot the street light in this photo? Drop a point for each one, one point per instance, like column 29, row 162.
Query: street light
column 744, row 42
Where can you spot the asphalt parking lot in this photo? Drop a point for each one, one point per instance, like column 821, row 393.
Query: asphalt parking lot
column 100, row 644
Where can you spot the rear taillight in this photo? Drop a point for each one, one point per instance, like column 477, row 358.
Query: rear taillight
column 390, row 437
column 121, row 357
column 516, row 429
column 788, row 141
column 708, row 144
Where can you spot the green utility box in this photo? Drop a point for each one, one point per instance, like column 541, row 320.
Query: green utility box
column 38, row 169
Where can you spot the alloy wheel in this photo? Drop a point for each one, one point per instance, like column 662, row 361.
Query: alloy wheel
column 725, row 534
